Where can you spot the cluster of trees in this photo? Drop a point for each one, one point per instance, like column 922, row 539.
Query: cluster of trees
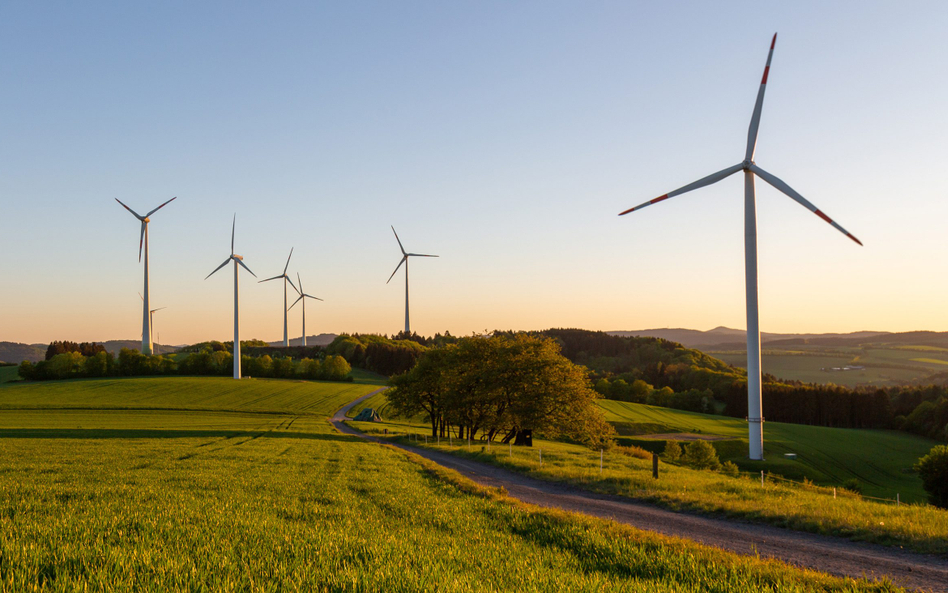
column 84, row 348
column 697, row 455
column 504, row 387
column 130, row 363
column 375, row 353
column 933, row 469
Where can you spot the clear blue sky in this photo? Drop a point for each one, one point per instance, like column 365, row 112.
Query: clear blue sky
column 504, row 137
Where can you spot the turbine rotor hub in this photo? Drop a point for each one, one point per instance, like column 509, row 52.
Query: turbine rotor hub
column 746, row 165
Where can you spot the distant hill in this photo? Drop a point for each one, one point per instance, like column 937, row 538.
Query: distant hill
column 17, row 352
column 725, row 338
column 320, row 340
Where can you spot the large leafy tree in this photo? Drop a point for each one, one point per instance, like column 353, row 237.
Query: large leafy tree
column 933, row 469
column 502, row 386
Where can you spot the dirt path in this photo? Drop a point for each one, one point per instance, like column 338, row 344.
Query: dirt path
column 828, row 554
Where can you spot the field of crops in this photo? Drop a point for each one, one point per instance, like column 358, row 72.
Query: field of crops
column 163, row 496
column 807, row 508
column 882, row 365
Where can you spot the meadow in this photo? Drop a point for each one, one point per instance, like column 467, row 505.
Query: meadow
column 8, row 374
column 143, row 485
column 805, row 507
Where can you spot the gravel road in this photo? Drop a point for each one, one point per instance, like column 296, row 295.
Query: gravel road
column 828, row 554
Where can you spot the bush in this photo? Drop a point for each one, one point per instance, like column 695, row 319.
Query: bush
column 730, row 468
column 672, row 451
column 853, row 485
column 701, row 455
column 933, row 469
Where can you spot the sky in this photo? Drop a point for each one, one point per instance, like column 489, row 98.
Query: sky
column 504, row 137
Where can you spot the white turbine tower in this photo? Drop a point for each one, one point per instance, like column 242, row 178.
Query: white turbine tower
column 286, row 335
column 750, row 169
column 303, row 296
column 143, row 242
column 238, row 261
column 405, row 257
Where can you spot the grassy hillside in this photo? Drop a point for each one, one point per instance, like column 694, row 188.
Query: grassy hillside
column 880, row 460
column 253, row 499
column 8, row 374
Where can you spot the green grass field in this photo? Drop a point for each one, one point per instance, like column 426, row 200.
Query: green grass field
column 142, row 485
column 803, row 507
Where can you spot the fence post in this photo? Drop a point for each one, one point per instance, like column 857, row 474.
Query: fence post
column 761, row 478
column 488, row 443
column 600, row 460
column 541, row 456
column 655, row 465
column 834, row 492
column 898, row 501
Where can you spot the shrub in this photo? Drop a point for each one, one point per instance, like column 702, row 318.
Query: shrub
column 933, row 469
column 672, row 451
column 701, row 455
column 730, row 468
column 853, row 485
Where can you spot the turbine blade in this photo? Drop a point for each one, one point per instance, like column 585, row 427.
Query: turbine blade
column 140, row 296
column 789, row 191
column 294, row 303
column 291, row 283
column 404, row 259
column 287, row 266
column 755, row 119
column 713, row 178
column 226, row 261
column 420, row 255
column 158, row 309
column 241, row 262
column 162, row 206
column 399, row 241
column 135, row 214
column 141, row 240
column 269, row 279
column 298, row 279
column 312, row 297
column 233, row 228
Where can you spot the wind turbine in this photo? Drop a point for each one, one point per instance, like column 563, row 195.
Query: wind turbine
column 238, row 261
column 286, row 336
column 405, row 257
column 151, row 322
column 303, row 297
column 750, row 169
column 143, row 242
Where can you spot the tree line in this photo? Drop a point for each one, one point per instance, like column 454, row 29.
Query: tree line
column 207, row 362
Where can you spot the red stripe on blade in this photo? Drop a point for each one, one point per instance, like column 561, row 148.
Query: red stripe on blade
column 774, row 42
column 627, row 211
column 766, row 72
column 823, row 216
column 659, row 199
column 854, row 239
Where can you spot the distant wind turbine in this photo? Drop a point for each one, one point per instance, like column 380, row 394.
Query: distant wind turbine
column 405, row 257
column 286, row 335
column 303, row 296
column 151, row 323
column 143, row 242
column 750, row 169
column 238, row 261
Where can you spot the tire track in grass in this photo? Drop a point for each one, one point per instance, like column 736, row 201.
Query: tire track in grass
column 837, row 556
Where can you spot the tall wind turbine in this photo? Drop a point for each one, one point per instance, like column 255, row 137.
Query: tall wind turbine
column 750, row 169
column 303, row 297
column 405, row 257
column 286, row 336
column 143, row 242
column 238, row 261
